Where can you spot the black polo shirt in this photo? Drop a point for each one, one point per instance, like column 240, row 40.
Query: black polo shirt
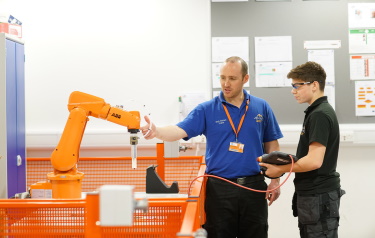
column 320, row 125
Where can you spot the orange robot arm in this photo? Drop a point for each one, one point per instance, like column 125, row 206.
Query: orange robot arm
column 81, row 105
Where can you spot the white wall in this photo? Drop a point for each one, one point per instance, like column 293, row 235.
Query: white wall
column 131, row 53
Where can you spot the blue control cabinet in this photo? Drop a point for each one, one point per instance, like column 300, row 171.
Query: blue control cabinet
column 12, row 117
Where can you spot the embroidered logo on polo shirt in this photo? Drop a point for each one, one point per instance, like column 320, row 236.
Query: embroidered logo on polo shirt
column 221, row 121
column 303, row 131
column 258, row 118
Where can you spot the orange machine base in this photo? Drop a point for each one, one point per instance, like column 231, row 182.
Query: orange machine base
column 65, row 185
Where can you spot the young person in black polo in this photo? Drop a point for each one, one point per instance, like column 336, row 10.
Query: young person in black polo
column 318, row 191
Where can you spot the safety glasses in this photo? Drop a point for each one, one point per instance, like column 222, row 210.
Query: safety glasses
column 297, row 85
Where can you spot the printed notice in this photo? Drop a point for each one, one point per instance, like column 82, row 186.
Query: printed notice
column 189, row 101
column 329, row 91
column 225, row 47
column 326, row 59
column 361, row 15
column 273, row 48
column 361, row 41
column 272, row 74
column 362, row 67
column 365, row 98
column 322, row 44
column 216, row 75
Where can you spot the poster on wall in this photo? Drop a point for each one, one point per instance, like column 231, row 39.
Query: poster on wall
column 321, row 44
column 273, row 48
column 329, row 91
column 365, row 98
column 362, row 67
column 326, row 58
column 272, row 74
column 189, row 101
column 224, row 47
column 273, row 61
column 216, row 75
column 361, row 15
column 361, row 41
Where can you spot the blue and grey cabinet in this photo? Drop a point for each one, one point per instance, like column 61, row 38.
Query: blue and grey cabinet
column 12, row 116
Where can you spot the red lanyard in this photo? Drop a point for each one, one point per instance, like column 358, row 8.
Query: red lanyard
column 241, row 121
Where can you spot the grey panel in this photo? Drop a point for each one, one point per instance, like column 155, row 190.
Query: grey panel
column 303, row 20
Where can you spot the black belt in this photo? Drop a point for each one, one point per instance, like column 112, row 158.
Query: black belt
column 249, row 179
column 339, row 191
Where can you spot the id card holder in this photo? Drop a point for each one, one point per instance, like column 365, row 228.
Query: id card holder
column 236, row 147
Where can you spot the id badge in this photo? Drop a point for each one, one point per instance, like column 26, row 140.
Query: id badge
column 236, row 147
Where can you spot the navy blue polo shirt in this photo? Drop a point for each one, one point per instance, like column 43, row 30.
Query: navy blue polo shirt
column 209, row 119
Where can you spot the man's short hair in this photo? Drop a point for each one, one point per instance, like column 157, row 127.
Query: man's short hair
column 244, row 67
column 309, row 72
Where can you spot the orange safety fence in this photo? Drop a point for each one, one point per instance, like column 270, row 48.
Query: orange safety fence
column 63, row 218
column 118, row 170
column 37, row 218
column 33, row 218
column 100, row 171
column 71, row 218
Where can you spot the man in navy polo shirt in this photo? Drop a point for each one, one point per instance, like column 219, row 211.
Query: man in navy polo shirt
column 238, row 127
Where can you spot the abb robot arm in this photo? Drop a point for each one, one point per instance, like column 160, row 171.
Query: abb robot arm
column 66, row 179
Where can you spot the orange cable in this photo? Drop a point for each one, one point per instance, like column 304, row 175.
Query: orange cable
column 251, row 189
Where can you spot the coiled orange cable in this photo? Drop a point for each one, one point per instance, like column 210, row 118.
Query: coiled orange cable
column 255, row 190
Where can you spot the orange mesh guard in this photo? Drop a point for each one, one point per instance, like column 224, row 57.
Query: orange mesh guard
column 117, row 171
column 78, row 218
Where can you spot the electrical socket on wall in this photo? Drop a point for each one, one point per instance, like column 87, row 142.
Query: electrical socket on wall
column 347, row 136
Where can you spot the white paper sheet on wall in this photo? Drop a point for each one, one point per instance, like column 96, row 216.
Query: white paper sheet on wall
column 361, row 15
column 361, row 41
column 216, row 75
column 322, row 44
column 326, row 58
column 273, row 48
column 329, row 91
column 362, row 67
column 365, row 98
column 225, row 47
column 272, row 74
column 189, row 101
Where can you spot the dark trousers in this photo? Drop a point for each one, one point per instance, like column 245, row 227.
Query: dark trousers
column 232, row 211
column 318, row 215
